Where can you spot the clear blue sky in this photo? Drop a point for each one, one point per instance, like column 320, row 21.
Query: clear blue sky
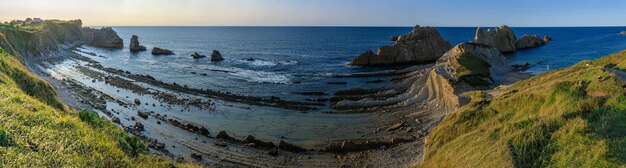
column 324, row 12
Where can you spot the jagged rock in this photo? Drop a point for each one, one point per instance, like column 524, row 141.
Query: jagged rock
column 104, row 37
column 422, row 44
column 546, row 39
column 502, row 38
column 197, row 56
column 160, row 51
column 134, row 44
column 528, row 41
column 258, row 143
column 224, row 136
column 142, row 114
column 216, row 56
column 282, row 145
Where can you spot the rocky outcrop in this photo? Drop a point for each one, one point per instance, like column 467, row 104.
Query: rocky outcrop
column 421, row 45
column 528, row 41
column 501, row 38
column 197, row 56
column 216, row 56
column 160, row 51
column 104, row 37
column 464, row 67
column 39, row 42
column 134, row 44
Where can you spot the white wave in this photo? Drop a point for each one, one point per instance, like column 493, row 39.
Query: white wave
column 265, row 63
column 252, row 76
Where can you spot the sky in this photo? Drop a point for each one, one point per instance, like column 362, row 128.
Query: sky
column 443, row 13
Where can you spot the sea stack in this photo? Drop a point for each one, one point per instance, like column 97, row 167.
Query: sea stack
column 528, row 41
column 160, row 51
column 502, row 38
column 216, row 56
column 421, row 45
column 104, row 37
column 134, row 44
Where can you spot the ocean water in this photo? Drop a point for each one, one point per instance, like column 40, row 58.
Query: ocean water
column 298, row 59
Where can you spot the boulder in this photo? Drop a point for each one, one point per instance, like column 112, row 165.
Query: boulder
column 421, row 45
column 528, row 41
column 134, row 44
column 104, row 37
column 224, row 136
column 216, row 56
column 160, row 51
column 197, row 56
column 502, row 38
column 623, row 32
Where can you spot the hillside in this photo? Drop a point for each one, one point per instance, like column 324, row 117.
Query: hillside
column 37, row 129
column 572, row 117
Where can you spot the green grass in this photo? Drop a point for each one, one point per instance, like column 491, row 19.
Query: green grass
column 471, row 69
column 544, row 121
column 38, row 130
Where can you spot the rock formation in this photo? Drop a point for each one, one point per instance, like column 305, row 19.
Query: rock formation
column 502, row 38
column 528, row 41
column 104, row 37
column 464, row 67
column 160, row 51
column 197, row 56
column 134, row 44
column 422, row 44
column 216, row 56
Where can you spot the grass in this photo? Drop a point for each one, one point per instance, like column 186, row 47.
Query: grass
column 471, row 69
column 38, row 130
column 562, row 118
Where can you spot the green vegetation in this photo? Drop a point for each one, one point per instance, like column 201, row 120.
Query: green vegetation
column 38, row 130
column 563, row 118
column 471, row 69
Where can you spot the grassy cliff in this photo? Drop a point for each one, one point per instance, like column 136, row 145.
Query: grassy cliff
column 38, row 130
column 572, row 117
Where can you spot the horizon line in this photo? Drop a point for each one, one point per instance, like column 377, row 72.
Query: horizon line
column 375, row 26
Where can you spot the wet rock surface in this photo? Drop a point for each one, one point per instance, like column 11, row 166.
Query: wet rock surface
column 216, row 56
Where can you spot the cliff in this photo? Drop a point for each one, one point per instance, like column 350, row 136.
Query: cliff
column 571, row 117
column 37, row 129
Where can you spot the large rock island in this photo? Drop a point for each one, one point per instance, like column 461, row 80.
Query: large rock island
column 104, row 37
column 422, row 44
column 504, row 39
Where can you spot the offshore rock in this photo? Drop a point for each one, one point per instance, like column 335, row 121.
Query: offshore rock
column 160, row 51
column 104, row 37
column 421, row 45
column 502, row 38
column 528, row 41
column 134, row 44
